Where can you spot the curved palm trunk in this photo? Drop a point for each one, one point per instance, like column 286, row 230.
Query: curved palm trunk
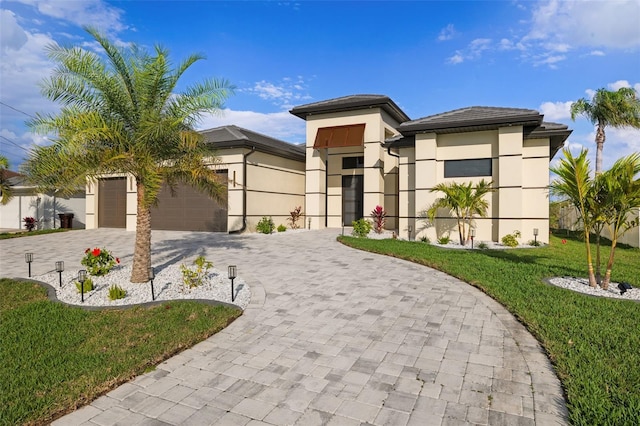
column 607, row 275
column 592, row 276
column 600, row 137
column 142, row 252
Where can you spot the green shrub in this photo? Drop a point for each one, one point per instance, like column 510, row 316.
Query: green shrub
column 88, row 285
column 99, row 261
column 510, row 240
column 116, row 292
column 282, row 228
column 425, row 240
column 266, row 225
column 482, row 245
column 534, row 243
column 361, row 227
column 195, row 277
column 444, row 239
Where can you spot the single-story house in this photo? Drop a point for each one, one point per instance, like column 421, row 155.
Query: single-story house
column 264, row 177
column 44, row 207
column 362, row 151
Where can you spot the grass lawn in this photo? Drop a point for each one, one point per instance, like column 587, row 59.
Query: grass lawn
column 594, row 343
column 54, row 358
column 19, row 234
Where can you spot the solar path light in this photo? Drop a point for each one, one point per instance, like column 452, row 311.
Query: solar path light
column 28, row 257
column 232, row 276
column 472, row 233
column 59, row 269
column 152, row 275
column 536, row 231
column 82, row 277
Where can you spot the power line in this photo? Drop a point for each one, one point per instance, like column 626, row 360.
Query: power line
column 13, row 143
column 16, row 109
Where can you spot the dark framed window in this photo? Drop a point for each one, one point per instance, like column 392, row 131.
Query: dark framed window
column 467, row 168
column 353, row 162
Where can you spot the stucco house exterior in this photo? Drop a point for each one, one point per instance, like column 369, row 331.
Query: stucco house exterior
column 362, row 151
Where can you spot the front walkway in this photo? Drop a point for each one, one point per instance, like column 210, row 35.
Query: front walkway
column 333, row 336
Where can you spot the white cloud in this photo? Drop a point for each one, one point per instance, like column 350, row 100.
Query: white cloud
column 456, row 59
column 597, row 53
column 447, row 33
column 280, row 125
column 550, row 60
column 11, row 33
column 95, row 13
column 556, row 110
column 473, row 51
column 285, row 94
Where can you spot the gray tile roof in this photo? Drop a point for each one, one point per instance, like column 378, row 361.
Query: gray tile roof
column 237, row 137
column 474, row 118
column 350, row 103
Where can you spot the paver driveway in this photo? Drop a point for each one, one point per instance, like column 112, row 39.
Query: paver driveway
column 332, row 336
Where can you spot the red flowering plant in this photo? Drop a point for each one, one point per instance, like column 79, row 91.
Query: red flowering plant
column 379, row 218
column 99, row 261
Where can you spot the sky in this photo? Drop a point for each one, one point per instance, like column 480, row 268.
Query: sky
column 428, row 56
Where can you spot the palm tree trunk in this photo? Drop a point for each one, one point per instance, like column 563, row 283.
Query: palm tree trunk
column 142, row 252
column 607, row 275
column 460, row 230
column 600, row 137
column 592, row 277
column 598, row 274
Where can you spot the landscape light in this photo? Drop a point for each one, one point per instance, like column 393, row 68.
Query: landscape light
column 624, row 287
column 28, row 257
column 232, row 276
column 152, row 275
column 535, row 236
column 472, row 234
column 82, row 277
column 59, row 269
column 410, row 228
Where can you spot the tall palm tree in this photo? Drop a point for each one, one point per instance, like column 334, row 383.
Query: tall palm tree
column 6, row 191
column 614, row 109
column 620, row 189
column 121, row 114
column 465, row 201
column 575, row 184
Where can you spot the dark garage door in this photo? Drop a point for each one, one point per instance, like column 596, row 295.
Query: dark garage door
column 112, row 203
column 189, row 210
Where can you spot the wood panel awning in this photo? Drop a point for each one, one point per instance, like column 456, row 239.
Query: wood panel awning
column 340, row 136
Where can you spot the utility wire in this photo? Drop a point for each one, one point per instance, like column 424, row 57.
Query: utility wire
column 16, row 109
column 13, row 143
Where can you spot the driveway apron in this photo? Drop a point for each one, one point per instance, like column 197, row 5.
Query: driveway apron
column 332, row 336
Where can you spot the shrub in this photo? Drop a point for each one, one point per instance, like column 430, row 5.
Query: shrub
column 195, row 277
column 361, row 227
column 425, row 240
column 534, row 243
column 510, row 240
column 116, row 292
column 282, row 228
column 266, row 225
column 379, row 218
column 99, row 261
column 88, row 285
column 482, row 245
column 30, row 223
column 444, row 240
column 295, row 215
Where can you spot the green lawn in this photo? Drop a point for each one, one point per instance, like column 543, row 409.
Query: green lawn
column 54, row 358
column 19, row 234
column 594, row 343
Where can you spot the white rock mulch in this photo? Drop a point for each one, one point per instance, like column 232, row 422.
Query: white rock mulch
column 582, row 285
column 168, row 285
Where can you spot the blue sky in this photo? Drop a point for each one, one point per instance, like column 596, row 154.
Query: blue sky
column 428, row 56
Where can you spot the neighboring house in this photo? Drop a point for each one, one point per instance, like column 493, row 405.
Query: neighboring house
column 363, row 151
column 264, row 177
column 45, row 207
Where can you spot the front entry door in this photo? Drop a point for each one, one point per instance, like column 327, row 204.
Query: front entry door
column 352, row 198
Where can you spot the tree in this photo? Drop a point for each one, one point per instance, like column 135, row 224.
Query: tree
column 465, row 201
column 5, row 186
column 575, row 184
column 619, row 196
column 121, row 114
column 607, row 108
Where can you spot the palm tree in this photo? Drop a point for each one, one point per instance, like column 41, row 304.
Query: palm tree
column 121, row 114
column 5, row 186
column 620, row 196
column 465, row 201
column 575, row 184
column 607, row 108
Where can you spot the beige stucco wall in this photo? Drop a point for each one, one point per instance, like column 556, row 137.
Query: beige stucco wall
column 520, row 173
column 323, row 200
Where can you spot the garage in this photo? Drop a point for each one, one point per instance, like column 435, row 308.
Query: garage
column 112, row 202
column 189, row 210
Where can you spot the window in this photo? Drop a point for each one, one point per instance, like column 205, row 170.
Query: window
column 467, row 168
column 352, row 162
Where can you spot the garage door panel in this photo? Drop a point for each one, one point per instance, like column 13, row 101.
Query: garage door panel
column 189, row 210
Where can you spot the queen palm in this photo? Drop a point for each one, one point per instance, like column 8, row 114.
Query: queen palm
column 121, row 113
column 465, row 201
column 574, row 183
column 608, row 109
column 6, row 192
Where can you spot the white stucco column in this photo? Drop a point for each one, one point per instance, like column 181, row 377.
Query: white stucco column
column 509, row 182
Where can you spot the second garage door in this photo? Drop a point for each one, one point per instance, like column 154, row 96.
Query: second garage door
column 189, row 210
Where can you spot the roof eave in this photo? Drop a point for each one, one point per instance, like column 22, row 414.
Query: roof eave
column 467, row 126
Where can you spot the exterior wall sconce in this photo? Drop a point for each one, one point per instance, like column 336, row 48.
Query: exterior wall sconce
column 535, row 235
column 232, row 276
column 82, row 277
column 28, row 257
column 472, row 234
column 59, row 269
column 152, row 275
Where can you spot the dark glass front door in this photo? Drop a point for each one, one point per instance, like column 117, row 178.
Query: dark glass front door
column 352, row 198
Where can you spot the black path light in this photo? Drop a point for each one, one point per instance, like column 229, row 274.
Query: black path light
column 232, row 276
column 623, row 287
column 59, row 269
column 152, row 275
column 472, row 233
column 536, row 231
column 28, row 257
column 410, row 228
column 82, row 277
